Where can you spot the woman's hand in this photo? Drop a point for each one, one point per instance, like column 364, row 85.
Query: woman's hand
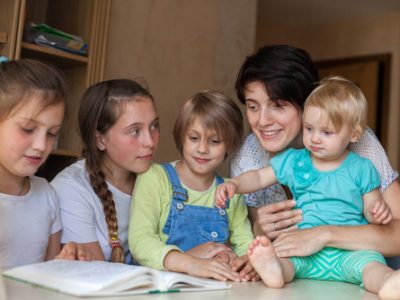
column 301, row 242
column 74, row 251
column 276, row 218
column 208, row 250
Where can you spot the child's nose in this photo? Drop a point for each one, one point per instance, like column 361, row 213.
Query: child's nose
column 203, row 147
column 315, row 138
column 40, row 142
column 148, row 140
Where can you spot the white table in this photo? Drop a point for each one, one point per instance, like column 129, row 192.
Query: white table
column 299, row 289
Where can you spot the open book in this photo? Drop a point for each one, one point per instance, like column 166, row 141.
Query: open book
column 99, row 278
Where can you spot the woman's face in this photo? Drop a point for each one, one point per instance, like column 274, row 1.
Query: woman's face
column 277, row 125
column 132, row 141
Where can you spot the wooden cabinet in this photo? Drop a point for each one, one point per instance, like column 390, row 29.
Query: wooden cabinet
column 85, row 18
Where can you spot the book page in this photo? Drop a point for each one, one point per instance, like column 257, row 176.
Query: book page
column 79, row 277
column 184, row 282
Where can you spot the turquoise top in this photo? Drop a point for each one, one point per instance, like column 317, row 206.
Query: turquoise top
column 326, row 197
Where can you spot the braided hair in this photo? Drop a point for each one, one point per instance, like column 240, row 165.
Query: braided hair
column 100, row 108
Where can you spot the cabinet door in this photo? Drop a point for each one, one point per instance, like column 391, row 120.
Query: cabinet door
column 9, row 22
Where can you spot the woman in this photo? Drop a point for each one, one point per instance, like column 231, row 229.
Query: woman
column 274, row 83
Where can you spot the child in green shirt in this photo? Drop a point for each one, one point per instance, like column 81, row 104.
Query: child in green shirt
column 174, row 224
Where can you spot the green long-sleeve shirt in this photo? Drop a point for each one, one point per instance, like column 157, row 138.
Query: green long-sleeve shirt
column 151, row 205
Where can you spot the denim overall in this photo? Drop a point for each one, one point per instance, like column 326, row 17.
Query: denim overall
column 188, row 226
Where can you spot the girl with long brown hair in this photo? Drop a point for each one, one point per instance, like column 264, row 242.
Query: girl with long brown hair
column 119, row 128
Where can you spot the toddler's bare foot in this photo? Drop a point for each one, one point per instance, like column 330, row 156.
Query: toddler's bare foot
column 262, row 256
column 391, row 287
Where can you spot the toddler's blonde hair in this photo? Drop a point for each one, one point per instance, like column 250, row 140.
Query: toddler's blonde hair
column 342, row 101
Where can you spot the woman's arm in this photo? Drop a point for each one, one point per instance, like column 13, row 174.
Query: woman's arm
column 382, row 238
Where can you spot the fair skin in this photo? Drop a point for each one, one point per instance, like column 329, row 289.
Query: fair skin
column 128, row 146
column 328, row 148
column 279, row 219
column 203, row 152
column 30, row 134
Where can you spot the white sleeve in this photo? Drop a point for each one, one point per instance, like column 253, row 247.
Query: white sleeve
column 77, row 211
column 370, row 147
column 56, row 220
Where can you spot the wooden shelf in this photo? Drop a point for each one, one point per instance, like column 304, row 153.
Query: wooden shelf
column 56, row 56
column 3, row 37
column 64, row 152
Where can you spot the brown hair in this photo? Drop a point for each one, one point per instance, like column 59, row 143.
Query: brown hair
column 20, row 78
column 342, row 101
column 100, row 108
column 216, row 111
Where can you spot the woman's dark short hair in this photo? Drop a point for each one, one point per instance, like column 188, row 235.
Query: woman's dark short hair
column 287, row 73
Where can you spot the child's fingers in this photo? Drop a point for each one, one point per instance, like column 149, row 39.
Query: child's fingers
column 374, row 208
column 252, row 276
column 224, row 270
column 84, row 254
column 380, row 209
column 247, row 270
column 385, row 217
column 239, row 262
column 69, row 251
column 231, row 191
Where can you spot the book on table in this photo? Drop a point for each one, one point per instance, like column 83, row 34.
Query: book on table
column 99, row 278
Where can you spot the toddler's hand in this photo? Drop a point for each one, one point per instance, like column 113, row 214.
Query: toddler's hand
column 224, row 192
column 381, row 212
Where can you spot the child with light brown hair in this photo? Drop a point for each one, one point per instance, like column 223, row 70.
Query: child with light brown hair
column 332, row 186
column 175, row 225
column 32, row 101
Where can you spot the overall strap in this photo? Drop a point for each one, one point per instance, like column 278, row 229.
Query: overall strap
column 219, row 179
column 178, row 192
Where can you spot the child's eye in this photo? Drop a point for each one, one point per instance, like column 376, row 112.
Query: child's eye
column 134, row 131
column 155, row 127
column 27, row 129
column 52, row 134
column 192, row 137
column 327, row 132
column 216, row 141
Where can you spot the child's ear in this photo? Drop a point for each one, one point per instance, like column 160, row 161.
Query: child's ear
column 355, row 135
column 100, row 141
